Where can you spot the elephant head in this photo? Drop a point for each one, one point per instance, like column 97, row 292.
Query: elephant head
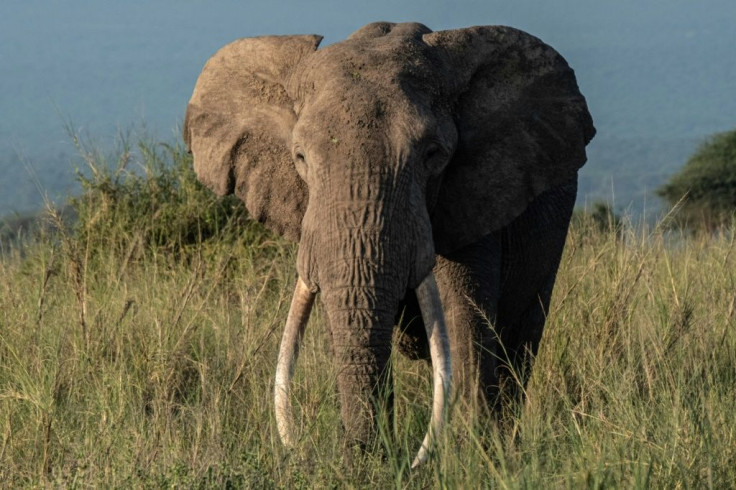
column 375, row 154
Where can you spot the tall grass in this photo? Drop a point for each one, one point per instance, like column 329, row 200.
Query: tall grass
column 138, row 348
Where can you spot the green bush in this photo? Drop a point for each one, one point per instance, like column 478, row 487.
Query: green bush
column 152, row 197
column 705, row 188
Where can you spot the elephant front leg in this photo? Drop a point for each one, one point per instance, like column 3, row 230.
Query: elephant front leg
column 469, row 286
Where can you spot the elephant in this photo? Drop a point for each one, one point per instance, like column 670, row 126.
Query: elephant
column 426, row 176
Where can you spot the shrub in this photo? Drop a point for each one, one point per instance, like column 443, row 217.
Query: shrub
column 152, row 196
column 705, row 188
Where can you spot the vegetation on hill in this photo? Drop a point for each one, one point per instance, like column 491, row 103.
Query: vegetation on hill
column 137, row 349
column 705, row 188
column 150, row 195
column 599, row 218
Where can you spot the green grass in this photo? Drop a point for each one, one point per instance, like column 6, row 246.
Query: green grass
column 138, row 350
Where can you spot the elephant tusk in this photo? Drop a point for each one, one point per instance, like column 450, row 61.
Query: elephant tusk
column 439, row 348
column 296, row 323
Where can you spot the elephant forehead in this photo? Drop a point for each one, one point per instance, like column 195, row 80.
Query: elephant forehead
column 381, row 65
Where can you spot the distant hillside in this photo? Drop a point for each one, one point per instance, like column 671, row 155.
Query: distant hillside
column 626, row 171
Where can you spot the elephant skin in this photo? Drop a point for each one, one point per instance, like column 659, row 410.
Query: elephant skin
column 393, row 154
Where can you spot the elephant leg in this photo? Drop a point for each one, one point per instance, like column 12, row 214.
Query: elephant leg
column 468, row 280
column 532, row 248
column 520, row 335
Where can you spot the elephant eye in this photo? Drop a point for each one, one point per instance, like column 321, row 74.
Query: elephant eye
column 435, row 158
column 432, row 152
column 300, row 162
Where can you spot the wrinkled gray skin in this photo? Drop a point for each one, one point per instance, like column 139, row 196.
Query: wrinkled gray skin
column 394, row 153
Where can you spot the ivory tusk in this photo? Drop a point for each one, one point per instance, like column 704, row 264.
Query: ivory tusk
column 439, row 347
column 296, row 323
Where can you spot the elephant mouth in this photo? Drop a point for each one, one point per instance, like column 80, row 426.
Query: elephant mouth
column 431, row 308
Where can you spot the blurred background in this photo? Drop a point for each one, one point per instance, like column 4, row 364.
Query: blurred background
column 659, row 76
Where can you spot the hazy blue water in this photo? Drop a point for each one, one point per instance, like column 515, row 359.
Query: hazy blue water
column 659, row 75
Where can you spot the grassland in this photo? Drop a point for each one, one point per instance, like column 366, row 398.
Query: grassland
column 138, row 347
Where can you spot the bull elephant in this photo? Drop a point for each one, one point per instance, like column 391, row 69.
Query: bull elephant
column 425, row 175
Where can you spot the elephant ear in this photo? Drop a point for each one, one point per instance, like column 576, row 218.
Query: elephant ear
column 238, row 128
column 522, row 129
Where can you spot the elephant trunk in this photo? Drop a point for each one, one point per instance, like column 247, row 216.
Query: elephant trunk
column 361, row 318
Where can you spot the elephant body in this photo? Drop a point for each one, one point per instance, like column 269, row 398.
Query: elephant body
column 397, row 157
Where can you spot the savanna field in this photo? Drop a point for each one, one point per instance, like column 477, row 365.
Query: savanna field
column 139, row 330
